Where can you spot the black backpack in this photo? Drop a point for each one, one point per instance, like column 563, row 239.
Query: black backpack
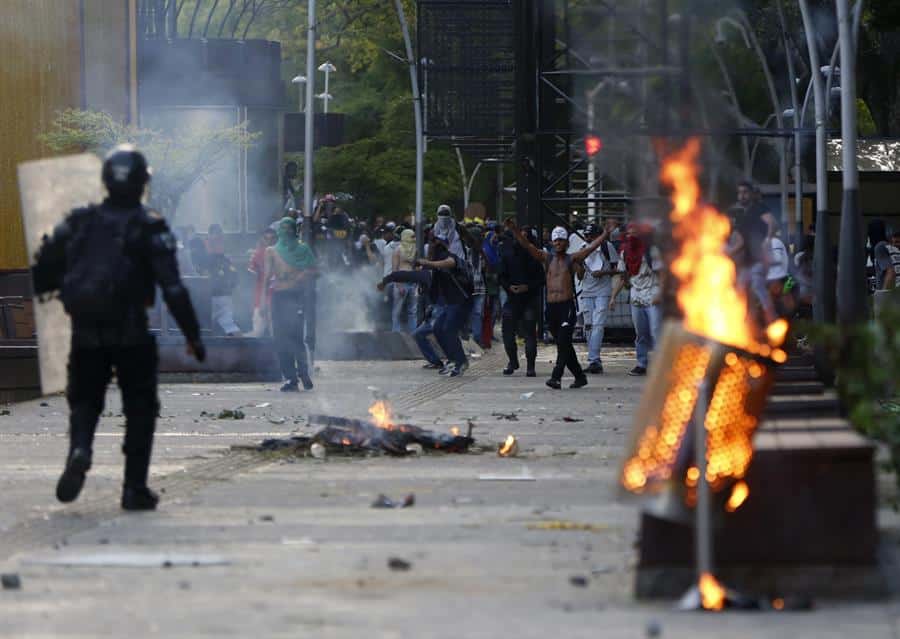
column 99, row 282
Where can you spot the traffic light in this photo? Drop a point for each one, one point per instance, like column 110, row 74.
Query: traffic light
column 592, row 144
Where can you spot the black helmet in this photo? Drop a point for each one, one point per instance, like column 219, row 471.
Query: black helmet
column 592, row 230
column 125, row 172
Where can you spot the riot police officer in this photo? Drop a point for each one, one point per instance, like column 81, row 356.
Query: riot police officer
column 106, row 261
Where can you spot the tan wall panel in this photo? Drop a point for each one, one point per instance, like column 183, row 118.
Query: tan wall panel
column 106, row 60
column 41, row 52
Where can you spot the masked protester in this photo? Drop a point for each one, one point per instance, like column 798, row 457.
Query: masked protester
column 257, row 266
column 522, row 279
column 641, row 266
column 561, row 268
column 290, row 268
column 106, row 262
column 406, row 298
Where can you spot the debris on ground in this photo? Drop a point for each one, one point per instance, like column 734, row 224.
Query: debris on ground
column 263, row 405
column 561, row 524
column 231, row 413
column 395, row 563
column 654, row 629
column 10, row 581
column 510, row 417
column 579, row 581
column 383, row 501
column 570, row 420
column 276, row 420
column 317, row 450
column 509, row 448
column 281, row 443
column 4, row 412
column 524, row 476
column 526, row 395
column 267, row 518
column 352, row 435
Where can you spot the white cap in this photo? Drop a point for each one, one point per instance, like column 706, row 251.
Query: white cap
column 559, row 233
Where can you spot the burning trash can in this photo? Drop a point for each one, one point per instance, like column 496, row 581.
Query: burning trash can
column 692, row 436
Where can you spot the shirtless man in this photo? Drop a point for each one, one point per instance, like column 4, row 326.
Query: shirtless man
column 290, row 267
column 561, row 309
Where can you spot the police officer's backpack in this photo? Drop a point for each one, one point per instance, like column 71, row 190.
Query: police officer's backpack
column 99, row 282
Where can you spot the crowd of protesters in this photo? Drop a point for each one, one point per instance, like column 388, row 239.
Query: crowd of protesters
column 476, row 275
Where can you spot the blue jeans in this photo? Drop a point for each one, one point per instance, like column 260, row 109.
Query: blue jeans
column 424, row 330
column 446, row 330
column 477, row 315
column 403, row 312
column 647, row 323
column 594, row 310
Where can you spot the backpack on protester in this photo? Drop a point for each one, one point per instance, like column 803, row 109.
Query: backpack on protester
column 99, row 278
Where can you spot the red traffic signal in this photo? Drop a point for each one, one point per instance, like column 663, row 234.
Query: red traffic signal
column 592, row 144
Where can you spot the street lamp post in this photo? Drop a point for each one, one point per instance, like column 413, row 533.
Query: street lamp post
column 308, row 124
column 299, row 80
column 327, row 68
column 852, row 303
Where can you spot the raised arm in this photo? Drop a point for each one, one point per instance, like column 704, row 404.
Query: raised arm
column 532, row 250
column 581, row 256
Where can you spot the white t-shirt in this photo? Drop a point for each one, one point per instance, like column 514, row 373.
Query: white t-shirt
column 598, row 286
column 644, row 285
column 387, row 254
column 778, row 260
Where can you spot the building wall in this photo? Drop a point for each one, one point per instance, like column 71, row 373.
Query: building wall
column 56, row 54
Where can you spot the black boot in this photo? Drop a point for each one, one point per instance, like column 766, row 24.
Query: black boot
column 511, row 367
column 307, row 382
column 72, row 479
column 138, row 498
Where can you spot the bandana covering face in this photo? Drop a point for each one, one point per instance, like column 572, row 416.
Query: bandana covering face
column 445, row 231
column 407, row 245
column 290, row 249
column 634, row 249
column 559, row 233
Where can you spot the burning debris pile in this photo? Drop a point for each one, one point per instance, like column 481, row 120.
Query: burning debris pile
column 380, row 434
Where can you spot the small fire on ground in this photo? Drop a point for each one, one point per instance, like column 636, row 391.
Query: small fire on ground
column 712, row 594
column 509, row 448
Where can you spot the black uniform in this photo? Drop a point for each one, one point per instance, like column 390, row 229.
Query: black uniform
column 103, row 344
column 521, row 310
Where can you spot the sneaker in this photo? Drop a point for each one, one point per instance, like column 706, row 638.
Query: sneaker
column 637, row 371
column 433, row 367
column 290, row 387
column 139, row 498
column 530, row 373
column 458, row 369
column 72, row 479
column 579, row 382
column 596, row 368
column 554, row 383
column 447, row 369
column 511, row 368
column 307, row 382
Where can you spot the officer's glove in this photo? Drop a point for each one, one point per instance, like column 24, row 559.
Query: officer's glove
column 197, row 350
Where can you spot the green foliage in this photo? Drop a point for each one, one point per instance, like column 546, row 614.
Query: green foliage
column 179, row 158
column 866, row 358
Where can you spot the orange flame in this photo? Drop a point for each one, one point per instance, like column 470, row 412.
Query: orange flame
column 739, row 494
column 382, row 415
column 454, row 430
column 345, row 441
column 712, row 594
column 708, row 295
column 509, row 447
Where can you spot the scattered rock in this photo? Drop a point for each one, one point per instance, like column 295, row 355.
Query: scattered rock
column 44, row 404
column 276, row 420
column 383, row 501
column 579, row 581
column 571, row 420
column 654, row 629
column 10, row 581
column 267, row 518
column 398, row 564
column 510, row 417
column 229, row 413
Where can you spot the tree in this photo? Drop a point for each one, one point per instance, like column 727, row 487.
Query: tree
column 180, row 158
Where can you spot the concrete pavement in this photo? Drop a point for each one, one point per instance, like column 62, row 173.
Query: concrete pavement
column 308, row 556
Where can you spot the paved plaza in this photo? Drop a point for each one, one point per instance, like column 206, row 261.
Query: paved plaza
column 298, row 551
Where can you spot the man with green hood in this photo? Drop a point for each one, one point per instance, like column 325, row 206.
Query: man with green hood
column 289, row 271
